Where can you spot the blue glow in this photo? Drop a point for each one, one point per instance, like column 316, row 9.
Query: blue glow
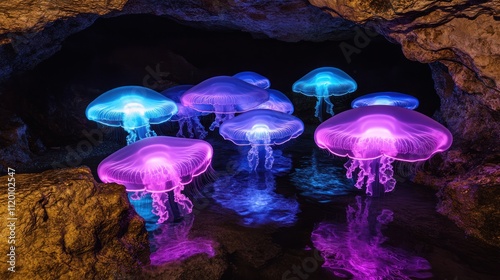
column 186, row 117
column 144, row 207
column 252, row 197
column 223, row 96
column 318, row 179
column 132, row 107
column 253, row 78
column 261, row 127
column 386, row 98
column 277, row 102
column 322, row 83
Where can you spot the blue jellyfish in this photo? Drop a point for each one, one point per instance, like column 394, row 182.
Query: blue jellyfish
column 254, row 79
column 386, row 98
column 224, row 96
column 277, row 102
column 132, row 107
column 322, row 83
column 261, row 127
column 185, row 115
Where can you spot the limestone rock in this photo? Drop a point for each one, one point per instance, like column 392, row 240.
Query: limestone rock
column 70, row 227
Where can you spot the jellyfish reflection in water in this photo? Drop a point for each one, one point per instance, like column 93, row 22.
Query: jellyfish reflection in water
column 185, row 116
column 386, row 98
column 252, row 196
column 170, row 242
column 224, row 96
column 322, row 83
column 132, row 107
column 357, row 250
column 161, row 166
column 374, row 136
column 261, row 128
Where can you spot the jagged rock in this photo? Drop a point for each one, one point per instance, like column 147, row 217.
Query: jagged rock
column 70, row 227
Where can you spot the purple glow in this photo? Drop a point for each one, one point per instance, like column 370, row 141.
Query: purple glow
column 253, row 78
column 159, row 165
column 170, row 242
column 223, row 96
column 261, row 128
column 357, row 250
column 386, row 98
column 374, row 136
column 277, row 102
column 185, row 116
column 132, row 107
column 322, row 83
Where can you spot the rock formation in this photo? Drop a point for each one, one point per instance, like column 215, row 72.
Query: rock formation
column 70, row 227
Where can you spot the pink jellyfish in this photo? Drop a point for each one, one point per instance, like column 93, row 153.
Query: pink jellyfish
column 224, row 96
column 374, row 136
column 261, row 128
column 253, row 78
column 277, row 102
column 185, row 116
column 159, row 165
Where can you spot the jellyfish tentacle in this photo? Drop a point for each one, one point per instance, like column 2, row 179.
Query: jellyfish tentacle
column 190, row 129
column 329, row 105
column 159, row 207
column 386, row 173
column 180, row 133
column 319, row 108
column 253, row 157
column 183, row 201
column 269, row 157
column 199, row 128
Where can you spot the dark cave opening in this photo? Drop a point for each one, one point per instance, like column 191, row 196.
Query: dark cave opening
column 156, row 52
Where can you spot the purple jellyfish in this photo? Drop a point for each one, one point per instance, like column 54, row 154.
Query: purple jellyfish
column 322, row 83
column 386, row 98
column 261, row 128
column 223, row 96
column 357, row 250
column 158, row 165
column 132, row 107
column 277, row 102
column 374, row 136
column 253, row 78
column 185, row 115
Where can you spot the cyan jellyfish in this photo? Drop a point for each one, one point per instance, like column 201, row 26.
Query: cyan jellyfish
column 132, row 107
column 374, row 136
column 161, row 166
column 277, row 102
column 357, row 250
column 185, row 116
column 322, row 83
column 253, row 78
column 386, row 98
column 261, row 128
column 223, row 96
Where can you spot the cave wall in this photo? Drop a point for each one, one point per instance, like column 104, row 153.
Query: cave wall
column 460, row 39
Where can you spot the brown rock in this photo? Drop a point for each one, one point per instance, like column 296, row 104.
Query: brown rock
column 70, row 227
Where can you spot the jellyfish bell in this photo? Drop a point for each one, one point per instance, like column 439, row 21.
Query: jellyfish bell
column 374, row 136
column 261, row 127
column 161, row 166
column 386, row 98
column 253, row 78
column 185, row 116
column 132, row 107
column 277, row 102
column 322, row 83
column 224, row 96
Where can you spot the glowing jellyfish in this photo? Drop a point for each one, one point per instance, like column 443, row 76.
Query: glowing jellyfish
column 357, row 250
column 277, row 102
column 386, row 98
column 132, row 107
column 322, row 83
column 161, row 166
column 223, row 96
column 186, row 116
column 374, row 136
column 261, row 128
column 253, row 78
